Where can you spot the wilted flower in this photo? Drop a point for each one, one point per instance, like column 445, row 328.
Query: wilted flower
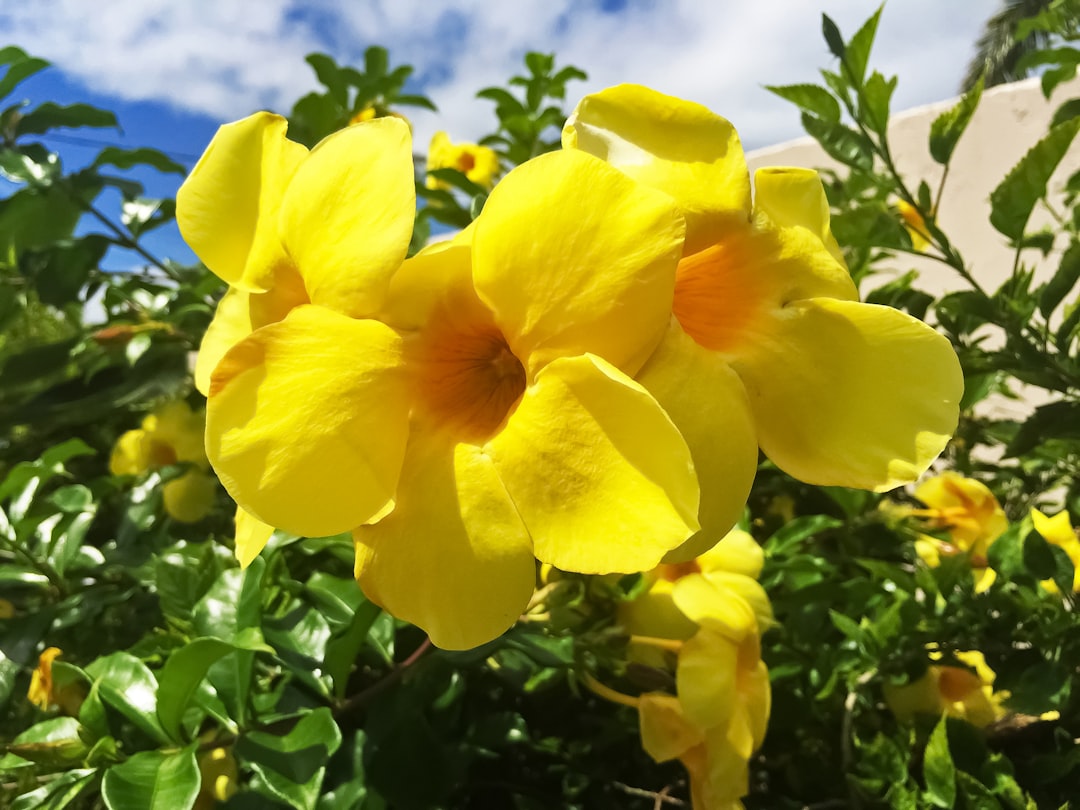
column 1058, row 531
column 478, row 163
column 969, row 513
column 767, row 325
column 965, row 692
column 172, row 434
column 45, row 692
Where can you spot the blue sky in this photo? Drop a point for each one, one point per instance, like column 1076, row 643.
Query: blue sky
column 172, row 71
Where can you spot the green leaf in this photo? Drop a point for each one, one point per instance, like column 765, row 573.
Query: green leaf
column 31, row 164
column 58, row 793
column 412, row 100
column 126, row 683
column 938, row 768
column 20, row 67
column 1015, row 197
column 184, row 671
column 292, row 766
column 328, row 72
column 857, row 52
column 153, row 780
column 1066, row 112
column 50, row 116
column 1053, row 420
column 832, row 35
column 376, row 61
column 811, row 98
column 1068, row 273
column 876, row 97
column 127, row 158
column 232, row 605
column 1038, row 558
column 458, row 180
column 976, row 795
column 841, row 142
column 344, row 646
column 792, row 534
column 947, row 128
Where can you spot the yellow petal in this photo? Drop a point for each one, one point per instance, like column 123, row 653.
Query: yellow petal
column 706, row 679
column 921, row 696
column 665, row 731
column 676, row 146
column 227, row 208
column 706, row 401
column 131, row 453
column 599, row 474
column 347, row 216
column 252, row 535
column 231, row 324
column 573, row 257
column 850, row 394
column 726, row 775
column 719, row 609
column 737, row 553
column 794, row 198
column 307, row 420
column 749, row 590
column 655, row 615
column 181, row 429
column 41, row 681
column 453, row 557
column 190, row 497
column 1057, row 529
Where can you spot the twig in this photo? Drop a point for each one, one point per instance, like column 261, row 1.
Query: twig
column 660, row 798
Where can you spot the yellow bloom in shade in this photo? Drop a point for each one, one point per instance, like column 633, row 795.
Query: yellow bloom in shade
column 965, row 692
column 1058, row 531
column 968, row 511
column 218, row 773
column 172, row 434
column 478, row 410
column 767, row 326
column 479, row 163
column 914, row 224
column 286, row 227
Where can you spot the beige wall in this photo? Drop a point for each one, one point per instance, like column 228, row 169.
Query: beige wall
column 1009, row 120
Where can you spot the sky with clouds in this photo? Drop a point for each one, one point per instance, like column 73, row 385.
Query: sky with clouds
column 174, row 70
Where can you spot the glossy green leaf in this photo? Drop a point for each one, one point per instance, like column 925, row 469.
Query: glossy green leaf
column 184, row 671
column 1015, row 197
column 58, row 793
column 877, row 95
column 840, row 142
column 833, row 38
column 152, row 780
column 857, row 51
column 946, row 129
column 129, row 158
column 20, row 67
column 126, row 684
column 329, row 74
column 811, row 98
column 51, row 116
column 1062, row 282
column 292, row 765
column 938, row 768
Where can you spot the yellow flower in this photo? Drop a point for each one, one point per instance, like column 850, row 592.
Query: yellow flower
column 172, row 434
column 218, row 774
column 286, row 227
column 1058, row 531
column 479, row 163
column 968, row 511
column 965, row 692
column 44, row 692
column 768, row 329
column 914, row 224
column 720, row 714
column 7, row 609
column 477, row 409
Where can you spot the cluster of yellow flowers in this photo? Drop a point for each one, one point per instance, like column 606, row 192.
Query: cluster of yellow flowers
column 172, row 434
column 968, row 513
column 704, row 619
column 584, row 375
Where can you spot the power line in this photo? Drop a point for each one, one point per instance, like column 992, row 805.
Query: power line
column 75, row 140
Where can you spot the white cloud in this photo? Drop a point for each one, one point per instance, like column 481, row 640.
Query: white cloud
column 228, row 57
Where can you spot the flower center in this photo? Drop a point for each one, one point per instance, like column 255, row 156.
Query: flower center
column 955, row 684
column 470, row 380
column 161, row 454
column 673, row 572
column 465, row 162
column 716, row 299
